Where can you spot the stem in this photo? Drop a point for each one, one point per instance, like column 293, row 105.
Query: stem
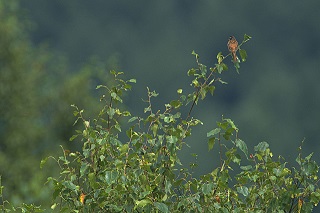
column 220, row 151
column 193, row 103
column 110, row 105
column 198, row 92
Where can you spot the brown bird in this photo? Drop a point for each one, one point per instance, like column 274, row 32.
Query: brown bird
column 233, row 47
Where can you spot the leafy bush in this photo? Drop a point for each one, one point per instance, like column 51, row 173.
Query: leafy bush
column 142, row 172
column 138, row 169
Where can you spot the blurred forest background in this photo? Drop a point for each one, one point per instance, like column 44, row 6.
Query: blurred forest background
column 54, row 53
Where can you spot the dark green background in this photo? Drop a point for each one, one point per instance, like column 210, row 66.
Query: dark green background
column 276, row 97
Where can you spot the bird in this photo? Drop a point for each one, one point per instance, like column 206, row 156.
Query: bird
column 233, row 47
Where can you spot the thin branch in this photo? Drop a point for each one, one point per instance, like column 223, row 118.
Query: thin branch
column 198, row 92
column 220, row 150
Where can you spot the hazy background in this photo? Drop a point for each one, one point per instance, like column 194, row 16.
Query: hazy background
column 276, row 97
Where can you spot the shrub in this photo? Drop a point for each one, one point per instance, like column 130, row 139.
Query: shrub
column 138, row 169
column 142, row 172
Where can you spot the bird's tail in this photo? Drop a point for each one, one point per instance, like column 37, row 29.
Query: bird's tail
column 234, row 55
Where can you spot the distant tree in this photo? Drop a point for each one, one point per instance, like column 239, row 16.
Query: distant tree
column 21, row 128
column 36, row 90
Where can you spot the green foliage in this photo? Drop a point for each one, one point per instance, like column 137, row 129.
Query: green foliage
column 6, row 206
column 138, row 169
column 20, row 108
column 36, row 89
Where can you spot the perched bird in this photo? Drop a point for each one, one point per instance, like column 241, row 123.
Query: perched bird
column 233, row 47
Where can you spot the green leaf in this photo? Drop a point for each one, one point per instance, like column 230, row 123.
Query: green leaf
column 243, row 190
column 237, row 66
column 43, row 161
column 222, row 82
column 298, row 160
column 273, row 178
column 207, row 188
column 161, row 206
column 73, row 137
column 179, row 91
column 92, row 179
column 172, row 139
column 242, row 146
column 117, row 127
column 142, row 203
column 191, row 72
column 220, row 57
column 211, row 143
column 277, row 171
column 167, row 119
column 30, row 208
column 111, row 176
column 124, row 148
column 127, row 86
column 111, row 112
column 261, row 147
column 211, row 89
column 309, row 157
column 315, row 196
column 165, row 197
column 231, row 123
column 152, row 93
column 228, row 133
column 101, row 141
column 102, row 157
column 75, row 113
column 115, row 141
column 236, row 158
column 243, row 55
column 246, row 168
column 100, row 86
column 175, row 103
column 126, row 113
column 177, row 115
column 224, row 66
column 147, row 109
column 203, row 93
column 219, row 68
column 246, row 38
column 195, row 83
column 213, row 132
column 70, row 185
column 132, row 119
column 195, row 155
column 132, row 80
column 83, row 168
column 154, row 129
column 203, row 69
column 116, row 97
column 168, row 186
column 310, row 168
column 195, row 54
column 195, row 122
column 53, row 206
